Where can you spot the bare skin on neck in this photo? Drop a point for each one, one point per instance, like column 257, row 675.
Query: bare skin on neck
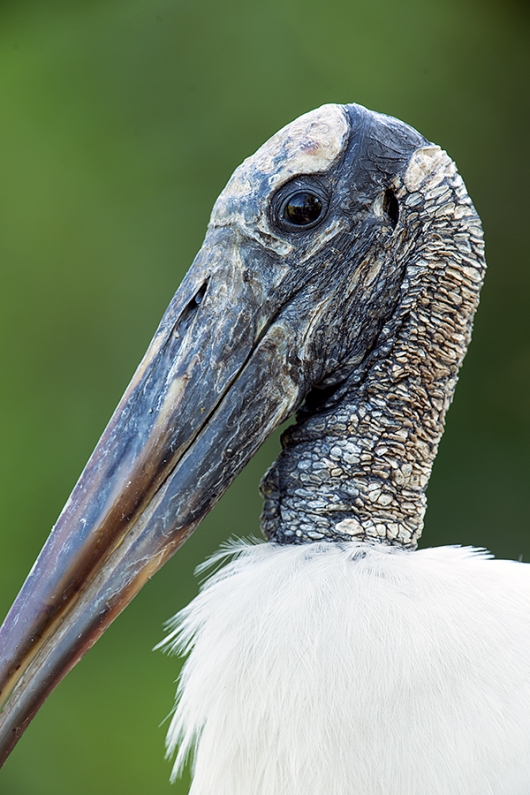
column 358, row 467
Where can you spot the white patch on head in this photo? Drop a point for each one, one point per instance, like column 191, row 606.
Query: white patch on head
column 425, row 164
column 307, row 145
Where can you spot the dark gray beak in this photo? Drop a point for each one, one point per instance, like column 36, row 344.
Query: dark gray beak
column 212, row 386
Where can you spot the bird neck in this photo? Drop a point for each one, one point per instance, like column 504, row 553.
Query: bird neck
column 358, row 468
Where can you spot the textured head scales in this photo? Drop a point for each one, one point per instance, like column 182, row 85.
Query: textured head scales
column 358, row 466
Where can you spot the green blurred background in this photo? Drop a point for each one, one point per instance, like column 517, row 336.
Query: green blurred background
column 121, row 120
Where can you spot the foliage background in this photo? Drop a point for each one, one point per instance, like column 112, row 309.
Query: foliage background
column 120, row 122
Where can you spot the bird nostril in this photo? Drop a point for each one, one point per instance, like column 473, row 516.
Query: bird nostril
column 199, row 295
column 391, row 207
column 185, row 318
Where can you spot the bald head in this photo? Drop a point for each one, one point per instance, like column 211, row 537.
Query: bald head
column 322, row 247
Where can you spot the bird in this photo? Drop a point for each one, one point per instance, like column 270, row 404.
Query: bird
column 337, row 283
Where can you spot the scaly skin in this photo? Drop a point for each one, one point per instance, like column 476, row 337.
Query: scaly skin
column 358, row 468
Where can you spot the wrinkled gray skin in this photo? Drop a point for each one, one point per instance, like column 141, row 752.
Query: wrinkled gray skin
column 358, row 461
column 365, row 316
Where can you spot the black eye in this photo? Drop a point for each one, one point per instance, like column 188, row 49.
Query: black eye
column 300, row 204
column 302, row 208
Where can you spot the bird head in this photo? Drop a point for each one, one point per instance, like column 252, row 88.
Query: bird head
column 309, row 259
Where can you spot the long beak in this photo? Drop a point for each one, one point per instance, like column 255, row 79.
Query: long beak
column 212, row 386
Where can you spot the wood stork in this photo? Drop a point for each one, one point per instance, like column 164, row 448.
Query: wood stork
column 339, row 277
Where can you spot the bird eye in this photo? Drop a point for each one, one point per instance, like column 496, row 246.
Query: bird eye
column 300, row 204
column 302, row 208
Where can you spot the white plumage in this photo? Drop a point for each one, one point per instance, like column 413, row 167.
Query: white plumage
column 350, row 668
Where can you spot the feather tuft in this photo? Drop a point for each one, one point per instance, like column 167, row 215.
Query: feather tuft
column 328, row 669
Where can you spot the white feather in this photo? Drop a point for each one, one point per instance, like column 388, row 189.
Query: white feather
column 330, row 669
